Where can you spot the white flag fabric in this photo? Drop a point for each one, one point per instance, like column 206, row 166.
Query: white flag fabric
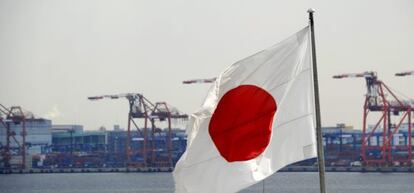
column 257, row 118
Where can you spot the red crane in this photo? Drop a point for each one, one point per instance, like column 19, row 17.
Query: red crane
column 376, row 102
column 141, row 108
column 8, row 117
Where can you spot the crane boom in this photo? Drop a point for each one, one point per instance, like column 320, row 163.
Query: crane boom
column 407, row 73
column 372, row 84
column 367, row 74
column 115, row 96
column 193, row 81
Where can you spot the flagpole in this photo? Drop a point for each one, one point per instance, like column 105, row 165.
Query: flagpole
column 321, row 159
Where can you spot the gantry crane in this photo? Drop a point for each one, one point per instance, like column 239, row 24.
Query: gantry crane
column 376, row 101
column 13, row 116
column 141, row 108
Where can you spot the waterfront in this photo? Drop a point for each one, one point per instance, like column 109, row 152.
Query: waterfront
column 286, row 182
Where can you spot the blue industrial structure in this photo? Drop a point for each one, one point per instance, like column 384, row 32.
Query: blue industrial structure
column 107, row 148
column 342, row 147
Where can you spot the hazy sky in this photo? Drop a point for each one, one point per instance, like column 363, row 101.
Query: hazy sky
column 55, row 53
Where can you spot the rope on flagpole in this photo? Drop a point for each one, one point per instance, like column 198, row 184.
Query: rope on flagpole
column 321, row 159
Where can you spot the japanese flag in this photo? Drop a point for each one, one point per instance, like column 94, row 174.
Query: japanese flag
column 258, row 118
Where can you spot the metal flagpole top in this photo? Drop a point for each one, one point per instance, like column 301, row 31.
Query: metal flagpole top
column 311, row 10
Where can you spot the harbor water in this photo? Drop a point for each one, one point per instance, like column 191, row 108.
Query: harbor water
column 284, row 182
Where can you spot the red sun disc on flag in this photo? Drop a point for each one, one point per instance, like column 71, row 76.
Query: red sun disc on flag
column 241, row 125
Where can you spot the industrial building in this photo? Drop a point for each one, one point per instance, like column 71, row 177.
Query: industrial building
column 38, row 133
column 103, row 148
column 74, row 138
